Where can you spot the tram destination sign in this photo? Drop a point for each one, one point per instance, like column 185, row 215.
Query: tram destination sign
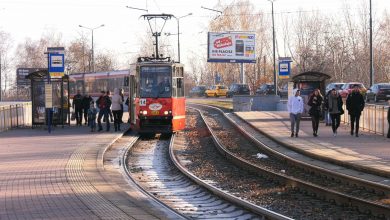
column 231, row 47
column 21, row 74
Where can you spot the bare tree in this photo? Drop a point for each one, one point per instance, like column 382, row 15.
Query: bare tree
column 5, row 61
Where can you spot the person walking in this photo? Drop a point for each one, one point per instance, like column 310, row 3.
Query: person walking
column 104, row 104
column 295, row 108
column 87, row 99
column 335, row 106
column 315, row 103
column 328, row 121
column 117, row 105
column 355, row 105
column 77, row 105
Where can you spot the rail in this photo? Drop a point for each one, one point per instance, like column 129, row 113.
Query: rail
column 373, row 119
column 14, row 115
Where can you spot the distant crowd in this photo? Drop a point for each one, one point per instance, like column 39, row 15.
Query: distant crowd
column 332, row 107
column 109, row 108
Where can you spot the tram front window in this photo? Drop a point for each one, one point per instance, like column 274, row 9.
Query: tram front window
column 155, row 82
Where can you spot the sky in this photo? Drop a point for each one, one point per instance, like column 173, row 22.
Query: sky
column 123, row 26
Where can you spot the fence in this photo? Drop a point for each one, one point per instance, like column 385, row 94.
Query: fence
column 373, row 119
column 15, row 115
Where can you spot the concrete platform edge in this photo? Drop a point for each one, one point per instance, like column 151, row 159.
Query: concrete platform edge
column 370, row 170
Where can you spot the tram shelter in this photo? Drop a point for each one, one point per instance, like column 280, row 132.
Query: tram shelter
column 307, row 82
column 59, row 97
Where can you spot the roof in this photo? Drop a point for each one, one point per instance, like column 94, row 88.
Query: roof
column 42, row 74
column 311, row 76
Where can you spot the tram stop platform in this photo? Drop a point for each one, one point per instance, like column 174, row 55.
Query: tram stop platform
column 368, row 152
column 61, row 175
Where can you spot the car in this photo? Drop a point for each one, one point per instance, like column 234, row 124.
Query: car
column 335, row 85
column 266, row 89
column 283, row 91
column 197, row 91
column 216, row 91
column 348, row 87
column 238, row 89
column 379, row 91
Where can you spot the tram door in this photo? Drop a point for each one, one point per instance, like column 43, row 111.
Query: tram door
column 132, row 95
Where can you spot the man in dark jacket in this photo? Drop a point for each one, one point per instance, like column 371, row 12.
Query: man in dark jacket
column 77, row 105
column 355, row 106
column 87, row 99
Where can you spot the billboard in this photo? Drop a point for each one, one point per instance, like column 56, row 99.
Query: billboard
column 231, row 47
column 21, row 74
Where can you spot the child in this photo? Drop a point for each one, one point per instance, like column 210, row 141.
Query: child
column 92, row 111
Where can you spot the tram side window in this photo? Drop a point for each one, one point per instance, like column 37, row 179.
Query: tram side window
column 178, row 87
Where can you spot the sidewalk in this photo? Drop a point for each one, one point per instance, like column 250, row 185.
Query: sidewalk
column 58, row 176
column 368, row 152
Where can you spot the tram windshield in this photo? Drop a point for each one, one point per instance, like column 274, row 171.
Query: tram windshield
column 155, row 82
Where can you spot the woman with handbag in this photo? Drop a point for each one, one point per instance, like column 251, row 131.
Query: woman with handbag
column 315, row 103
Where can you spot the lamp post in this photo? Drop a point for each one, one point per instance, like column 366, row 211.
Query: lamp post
column 371, row 50
column 93, row 56
column 273, row 46
column 178, row 34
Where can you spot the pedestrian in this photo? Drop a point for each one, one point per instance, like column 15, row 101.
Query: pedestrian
column 122, row 94
column 388, row 119
column 295, row 108
column 335, row 106
column 355, row 105
column 108, row 95
column 87, row 99
column 77, row 105
column 315, row 103
column 92, row 111
column 328, row 121
column 104, row 104
column 116, row 109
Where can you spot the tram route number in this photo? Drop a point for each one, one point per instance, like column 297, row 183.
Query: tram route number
column 142, row 102
column 155, row 112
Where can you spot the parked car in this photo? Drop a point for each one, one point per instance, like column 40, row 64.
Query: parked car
column 266, row 89
column 283, row 91
column 197, row 91
column 348, row 87
column 238, row 89
column 216, row 91
column 379, row 91
column 338, row 86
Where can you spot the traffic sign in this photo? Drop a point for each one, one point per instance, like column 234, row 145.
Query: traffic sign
column 56, row 61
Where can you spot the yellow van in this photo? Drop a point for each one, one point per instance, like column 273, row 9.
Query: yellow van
column 216, row 91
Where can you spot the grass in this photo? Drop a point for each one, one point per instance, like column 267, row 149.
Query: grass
column 222, row 104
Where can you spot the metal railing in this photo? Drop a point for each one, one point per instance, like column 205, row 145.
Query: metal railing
column 15, row 115
column 373, row 119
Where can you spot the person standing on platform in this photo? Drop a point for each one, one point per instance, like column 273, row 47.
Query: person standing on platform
column 315, row 103
column 295, row 108
column 104, row 104
column 122, row 94
column 335, row 106
column 108, row 94
column 87, row 99
column 328, row 121
column 92, row 111
column 355, row 106
column 116, row 109
column 77, row 105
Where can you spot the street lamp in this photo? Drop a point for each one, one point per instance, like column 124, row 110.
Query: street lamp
column 273, row 45
column 178, row 34
column 93, row 56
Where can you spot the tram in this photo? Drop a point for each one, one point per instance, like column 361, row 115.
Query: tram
column 157, row 102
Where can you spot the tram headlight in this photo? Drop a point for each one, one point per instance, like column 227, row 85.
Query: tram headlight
column 165, row 112
column 144, row 112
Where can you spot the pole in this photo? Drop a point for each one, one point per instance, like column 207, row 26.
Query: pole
column 93, row 56
column 178, row 38
column 273, row 43
column 156, row 35
column 371, row 50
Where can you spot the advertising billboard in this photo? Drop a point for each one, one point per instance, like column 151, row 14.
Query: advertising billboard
column 231, row 47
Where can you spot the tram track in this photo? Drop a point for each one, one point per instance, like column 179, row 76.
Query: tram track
column 363, row 196
column 149, row 164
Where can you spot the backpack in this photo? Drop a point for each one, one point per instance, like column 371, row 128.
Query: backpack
column 102, row 102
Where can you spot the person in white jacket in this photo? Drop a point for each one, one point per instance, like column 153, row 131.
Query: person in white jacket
column 295, row 108
column 116, row 109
